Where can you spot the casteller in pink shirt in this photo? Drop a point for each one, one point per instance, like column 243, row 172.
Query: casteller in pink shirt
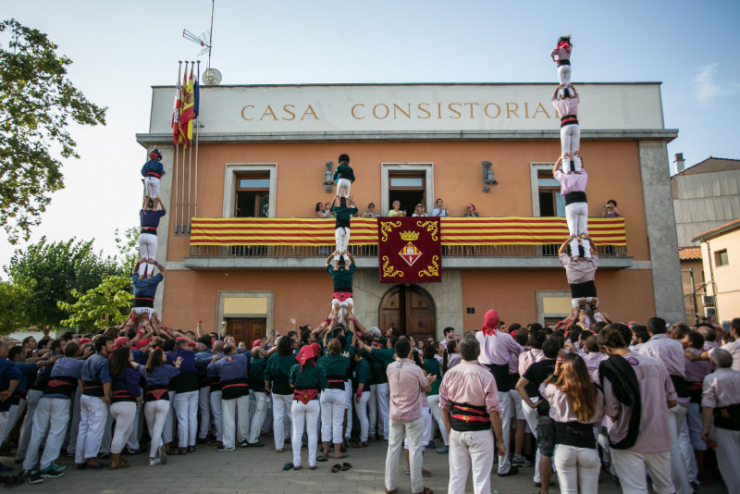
column 406, row 380
column 469, row 383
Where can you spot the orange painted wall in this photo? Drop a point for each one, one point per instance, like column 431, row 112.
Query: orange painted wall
column 613, row 167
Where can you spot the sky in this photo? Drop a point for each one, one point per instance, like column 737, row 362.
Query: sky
column 121, row 49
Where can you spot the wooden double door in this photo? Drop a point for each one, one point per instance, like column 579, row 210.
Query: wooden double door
column 246, row 330
column 410, row 309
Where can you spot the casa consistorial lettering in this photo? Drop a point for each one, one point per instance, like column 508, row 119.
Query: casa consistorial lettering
column 470, row 110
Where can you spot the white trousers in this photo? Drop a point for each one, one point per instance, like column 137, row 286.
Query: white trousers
column 517, row 411
column 570, row 141
column 414, row 432
column 332, row 415
column 147, row 250
column 152, row 186
column 693, row 422
column 577, row 467
column 376, row 429
column 504, row 463
column 631, row 466
column 260, row 402
column 4, row 420
column 217, row 415
column 13, row 417
column 728, row 451
column 32, row 399
column 107, row 435
column 348, row 405
column 471, row 449
column 564, row 75
column 426, row 416
column 204, row 407
column 340, row 308
column 530, row 415
column 124, row 413
column 186, row 409
column 156, row 413
column 341, row 236
column 384, row 397
column 168, row 433
column 93, row 415
column 437, row 418
column 236, row 420
column 343, row 187
column 576, row 215
column 74, row 424
column 305, row 415
column 280, row 405
column 362, row 417
column 49, row 428
column 679, row 476
column 687, row 452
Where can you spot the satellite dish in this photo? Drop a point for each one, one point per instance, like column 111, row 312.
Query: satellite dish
column 212, row 77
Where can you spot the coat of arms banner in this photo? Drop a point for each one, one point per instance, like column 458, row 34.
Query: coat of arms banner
column 410, row 250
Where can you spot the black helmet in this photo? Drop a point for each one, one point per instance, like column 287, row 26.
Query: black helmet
column 156, row 154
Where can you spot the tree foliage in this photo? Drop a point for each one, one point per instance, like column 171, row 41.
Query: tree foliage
column 37, row 103
column 15, row 306
column 51, row 271
column 107, row 304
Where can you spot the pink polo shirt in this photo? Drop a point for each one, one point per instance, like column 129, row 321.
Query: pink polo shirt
column 734, row 349
column 528, row 358
column 697, row 370
column 469, row 383
column 668, row 351
column 498, row 349
column 656, row 390
column 721, row 388
column 574, row 182
column 561, row 408
column 566, row 106
column 592, row 363
column 406, row 380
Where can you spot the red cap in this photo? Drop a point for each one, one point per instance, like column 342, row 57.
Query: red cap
column 84, row 340
column 256, row 343
column 120, row 342
column 143, row 343
column 181, row 338
column 191, row 344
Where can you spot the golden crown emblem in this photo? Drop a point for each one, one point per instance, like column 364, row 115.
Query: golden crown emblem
column 409, row 236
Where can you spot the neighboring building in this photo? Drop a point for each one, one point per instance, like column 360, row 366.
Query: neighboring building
column 705, row 196
column 692, row 277
column 720, row 250
column 263, row 152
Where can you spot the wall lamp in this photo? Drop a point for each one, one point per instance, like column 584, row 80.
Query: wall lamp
column 328, row 182
column 488, row 176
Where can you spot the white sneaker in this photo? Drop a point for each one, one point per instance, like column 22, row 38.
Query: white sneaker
column 577, row 166
column 154, row 461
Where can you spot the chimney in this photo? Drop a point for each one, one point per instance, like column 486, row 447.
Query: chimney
column 679, row 162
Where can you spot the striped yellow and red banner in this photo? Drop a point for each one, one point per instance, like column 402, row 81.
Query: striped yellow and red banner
column 455, row 231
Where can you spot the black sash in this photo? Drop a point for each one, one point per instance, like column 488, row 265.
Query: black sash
column 92, row 389
column 336, row 381
column 694, row 389
column 727, row 417
column 144, row 302
column 583, row 290
column 281, row 386
column 61, row 385
column 215, row 384
column 465, row 418
column 501, row 375
column 575, row 434
column 40, row 383
column 234, row 388
column 156, row 393
column 151, row 230
column 121, row 395
column 574, row 197
column 679, row 383
column 563, row 62
column 185, row 382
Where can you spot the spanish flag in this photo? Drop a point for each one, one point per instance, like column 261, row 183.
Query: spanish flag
column 188, row 110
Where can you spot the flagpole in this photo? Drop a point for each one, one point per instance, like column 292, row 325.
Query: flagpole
column 197, row 135
column 182, row 174
column 177, row 145
column 190, row 164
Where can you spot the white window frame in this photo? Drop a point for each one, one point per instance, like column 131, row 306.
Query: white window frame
column 230, row 177
column 387, row 168
column 534, row 168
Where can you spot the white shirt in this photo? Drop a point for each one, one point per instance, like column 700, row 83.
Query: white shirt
column 441, row 212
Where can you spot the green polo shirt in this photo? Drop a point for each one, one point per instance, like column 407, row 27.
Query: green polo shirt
column 312, row 376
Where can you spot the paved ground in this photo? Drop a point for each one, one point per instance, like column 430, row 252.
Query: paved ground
column 257, row 471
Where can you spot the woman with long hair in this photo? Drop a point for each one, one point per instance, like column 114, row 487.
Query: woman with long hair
column 277, row 371
column 320, row 210
column 157, row 374
column 125, row 401
column 451, row 357
column 307, row 380
column 576, row 404
column 431, row 366
column 333, row 398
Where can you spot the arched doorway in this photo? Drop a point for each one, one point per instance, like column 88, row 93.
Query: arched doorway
column 410, row 309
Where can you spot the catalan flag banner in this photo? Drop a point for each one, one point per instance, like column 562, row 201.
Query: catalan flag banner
column 365, row 231
column 410, row 250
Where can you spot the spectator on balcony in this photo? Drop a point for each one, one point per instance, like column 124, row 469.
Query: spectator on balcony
column 470, row 212
column 396, row 211
column 371, row 213
column 327, row 210
column 419, row 211
column 580, row 272
column 573, row 190
column 440, row 209
column 610, row 209
column 320, row 210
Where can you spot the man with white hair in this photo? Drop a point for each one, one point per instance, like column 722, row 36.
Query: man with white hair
column 721, row 399
column 469, row 401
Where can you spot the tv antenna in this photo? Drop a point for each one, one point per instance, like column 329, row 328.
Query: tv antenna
column 205, row 40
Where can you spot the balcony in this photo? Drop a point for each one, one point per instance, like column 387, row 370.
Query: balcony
column 467, row 243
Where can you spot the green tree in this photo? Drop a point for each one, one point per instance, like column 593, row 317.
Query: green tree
column 15, row 306
column 37, row 103
column 51, row 271
column 128, row 249
column 107, row 304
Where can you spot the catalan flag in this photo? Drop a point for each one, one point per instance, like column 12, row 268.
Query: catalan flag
column 454, row 231
column 188, row 110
